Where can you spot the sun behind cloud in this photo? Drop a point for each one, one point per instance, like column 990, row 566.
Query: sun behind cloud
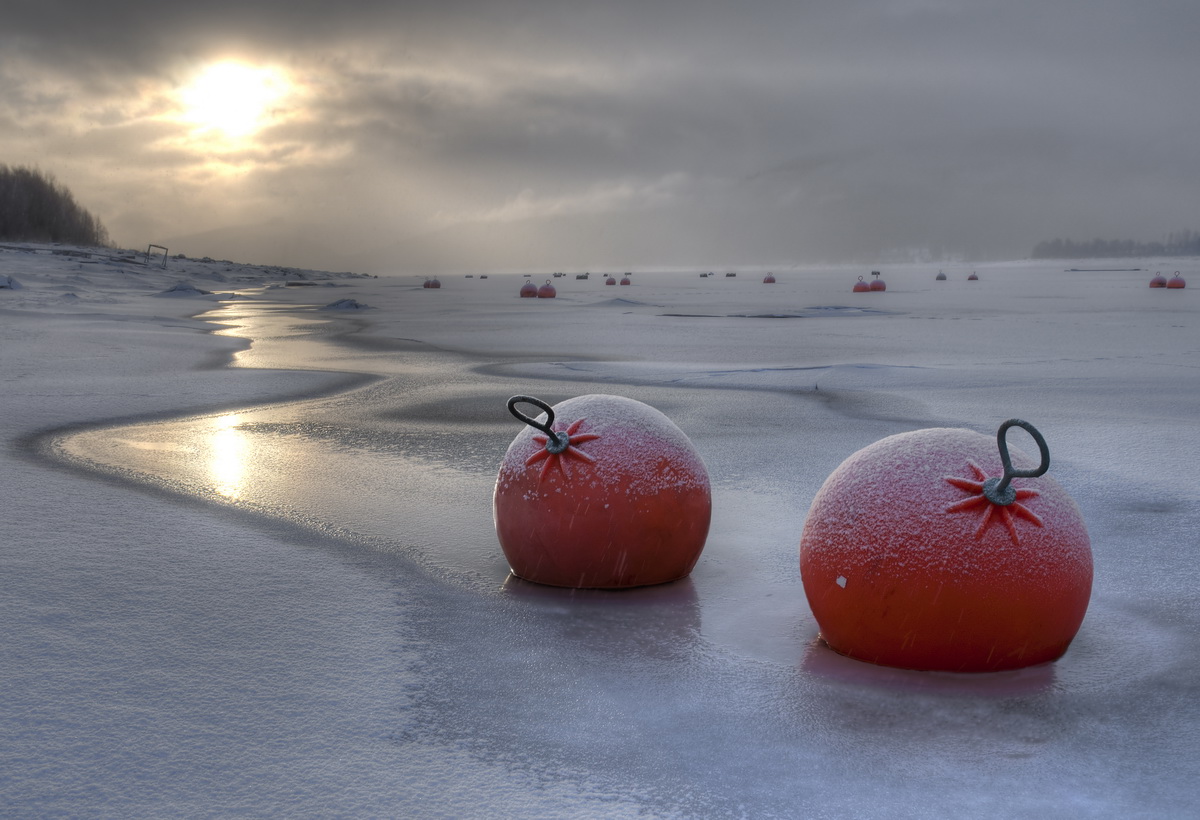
column 232, row 98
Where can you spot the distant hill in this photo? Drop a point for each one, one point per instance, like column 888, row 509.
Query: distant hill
column 1183, row 243
column 34, row 207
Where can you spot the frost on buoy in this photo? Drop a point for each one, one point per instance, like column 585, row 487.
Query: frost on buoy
column 1176, row 281
column 929, row 550
column 610, row 281
column 625, row 279
column 861, row 287
column 769, row 279
column 877, row 283
column 600, row 491
column 1159, row 281
column 547, row 291
column 529, row 291
column 941, row 277
column 973, row 277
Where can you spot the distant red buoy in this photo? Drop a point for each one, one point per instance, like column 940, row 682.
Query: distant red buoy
column 861, row 287
column 877, row 283
column 601, row 492
column 921, row 551
column 769, row 279
column 547, row 291
column 973, row 277
column 941, row 277
column 625, row 280
column 426, row 285
column 1159, row 281
column 529, row 290
column 434, row 283
column 610, row 281
column 1176, row 281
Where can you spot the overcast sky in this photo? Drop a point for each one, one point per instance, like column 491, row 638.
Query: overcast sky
column 450, row 134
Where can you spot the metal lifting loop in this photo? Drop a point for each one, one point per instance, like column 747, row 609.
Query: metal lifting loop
column 555, row 442
column 997, row 490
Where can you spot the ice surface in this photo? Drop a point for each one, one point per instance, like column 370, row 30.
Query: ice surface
column 274, row 589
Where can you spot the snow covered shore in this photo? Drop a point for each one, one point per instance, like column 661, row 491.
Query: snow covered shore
column 273, row 588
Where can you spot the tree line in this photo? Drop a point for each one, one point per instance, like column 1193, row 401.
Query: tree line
column 1181, row 243
column 35, row 207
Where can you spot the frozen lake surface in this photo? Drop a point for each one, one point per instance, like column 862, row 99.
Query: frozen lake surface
column 275, row 588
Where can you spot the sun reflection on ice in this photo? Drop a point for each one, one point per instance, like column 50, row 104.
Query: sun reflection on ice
column 227, row 456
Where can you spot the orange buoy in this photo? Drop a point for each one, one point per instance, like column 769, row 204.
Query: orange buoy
column 769, row 279
column 1176, row 281
column 600, row 491
column 1159, row 281
column 929, row 550
column 877, row 283
column 529, row 290
column 547, row 291
column 861, row 287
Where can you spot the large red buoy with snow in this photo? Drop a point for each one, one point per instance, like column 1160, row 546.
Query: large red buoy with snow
column 877, row 283
column 600, row 491
column 1159, row 281
column 547, row 291
column 861, row 287
column 1176, row 281
column 529, row 290
column 930, row 550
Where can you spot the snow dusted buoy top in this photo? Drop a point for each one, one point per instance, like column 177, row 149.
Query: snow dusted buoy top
column 922, row 551
column 600, row 491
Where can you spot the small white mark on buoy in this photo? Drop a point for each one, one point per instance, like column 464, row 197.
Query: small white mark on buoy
column 841, row 581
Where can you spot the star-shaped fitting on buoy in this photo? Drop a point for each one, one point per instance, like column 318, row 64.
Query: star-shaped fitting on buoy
column 991, row 511
column 556, row 456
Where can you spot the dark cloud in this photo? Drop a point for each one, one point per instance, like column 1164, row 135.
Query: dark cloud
column 564, row 135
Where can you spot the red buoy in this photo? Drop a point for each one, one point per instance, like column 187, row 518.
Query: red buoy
column 610, row 281
column 929, row 550
column 973, row 277
column 877, row 283
column 434, row 283
column 1176, row 281
column 529, row 290
column 1159, row 281
column 861, row 287
column 941, row 277
column 769, row 279
column 625, row 280
column 427, row 284
column 600, row 492
column 547, row 291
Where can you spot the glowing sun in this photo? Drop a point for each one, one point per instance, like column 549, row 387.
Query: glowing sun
column 232, row 97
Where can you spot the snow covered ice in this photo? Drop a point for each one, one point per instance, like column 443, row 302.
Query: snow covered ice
column 274, row 588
